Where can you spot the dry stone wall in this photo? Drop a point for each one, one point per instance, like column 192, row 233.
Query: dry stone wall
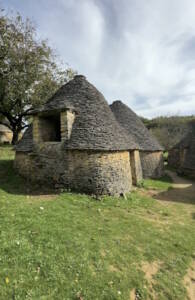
column 45, row 164
column 100, row 173
column 83, row 171
column 174, row 158
column 136, row 168
column 152, row 164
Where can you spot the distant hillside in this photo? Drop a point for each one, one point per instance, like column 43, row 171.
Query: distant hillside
column 169, row 130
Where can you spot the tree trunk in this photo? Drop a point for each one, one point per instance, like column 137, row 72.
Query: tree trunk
column 15, row 136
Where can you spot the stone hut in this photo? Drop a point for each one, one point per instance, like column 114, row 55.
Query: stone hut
column 75, row 142
column 5, row 135
column 182, row 155
column 150, row 151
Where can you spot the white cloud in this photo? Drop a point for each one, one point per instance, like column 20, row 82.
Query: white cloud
column 141, row 52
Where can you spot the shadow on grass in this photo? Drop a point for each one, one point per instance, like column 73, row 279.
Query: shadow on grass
column 182, row 190
column 12, row 183
column 180, row 195
column 166, row 178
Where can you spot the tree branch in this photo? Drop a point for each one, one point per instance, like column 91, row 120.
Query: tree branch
column 25, row 126
column 26, row 113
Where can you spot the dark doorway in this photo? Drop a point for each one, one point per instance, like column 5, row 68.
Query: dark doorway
column 50, row 128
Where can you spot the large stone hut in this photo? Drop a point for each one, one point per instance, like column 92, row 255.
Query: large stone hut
column 5, row 135
column 76, row 143
column 182, row 155
column 150, row 151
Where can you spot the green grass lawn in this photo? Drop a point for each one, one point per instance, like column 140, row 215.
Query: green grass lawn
column 159, row 184
column 71, row 246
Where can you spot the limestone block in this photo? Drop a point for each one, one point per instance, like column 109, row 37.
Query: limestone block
column 136, row 168
column 67, row 120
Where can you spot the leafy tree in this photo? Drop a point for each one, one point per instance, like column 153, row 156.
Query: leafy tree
column 29, row 74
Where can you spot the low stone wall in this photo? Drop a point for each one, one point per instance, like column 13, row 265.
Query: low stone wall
column 23, row 164
column 152, row 164
column 82, row 171
column 46, row 164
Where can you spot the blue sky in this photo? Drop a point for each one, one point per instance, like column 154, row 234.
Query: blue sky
column 139, row 51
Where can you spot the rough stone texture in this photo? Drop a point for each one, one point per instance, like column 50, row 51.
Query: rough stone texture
column 83, row 171
column 182, row 155
column 152, row 164
column 100, row 173
column 35, row 131
column 24, row 165
column 174, row 158
column 134, row 127
column 67, row 121
column 136, row 168
column 43, row 164
column 95, row 127
column 92, row 152
column 150, row 149
column 76, row 142
column 26, row 142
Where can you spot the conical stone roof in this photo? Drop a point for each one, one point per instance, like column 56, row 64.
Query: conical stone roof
column 134, row 127
column 95, row 126
column 26, row 142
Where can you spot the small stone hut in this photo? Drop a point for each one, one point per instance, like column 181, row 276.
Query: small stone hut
column 150, row 151
column 182, row 155
column 75, row 142
column 5, row 135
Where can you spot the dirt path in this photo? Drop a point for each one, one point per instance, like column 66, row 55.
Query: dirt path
column 180, row 182
column 183, row 190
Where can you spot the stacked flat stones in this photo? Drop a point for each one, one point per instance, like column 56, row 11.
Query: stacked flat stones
column 134, row 127
column 95, row 126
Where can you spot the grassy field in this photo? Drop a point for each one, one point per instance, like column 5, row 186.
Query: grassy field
column 71, row 246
